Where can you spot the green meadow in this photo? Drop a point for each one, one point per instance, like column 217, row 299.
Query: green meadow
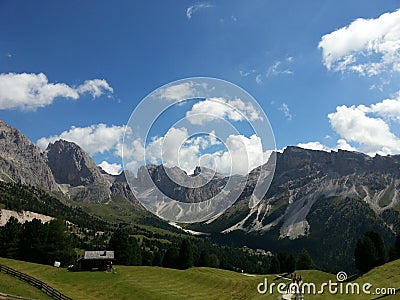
column 142, row 282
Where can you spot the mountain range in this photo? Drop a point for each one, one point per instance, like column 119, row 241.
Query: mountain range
column 321, row 201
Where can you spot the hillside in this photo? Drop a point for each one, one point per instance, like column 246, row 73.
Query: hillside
column 196, row 283
column 321, row 201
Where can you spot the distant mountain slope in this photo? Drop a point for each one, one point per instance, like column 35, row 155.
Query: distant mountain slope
column 302, row 177
column 320, row 201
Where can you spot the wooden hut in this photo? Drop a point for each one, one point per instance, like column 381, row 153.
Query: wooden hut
column 96, row 261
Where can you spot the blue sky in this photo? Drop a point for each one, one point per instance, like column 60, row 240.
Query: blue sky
column 299, row 59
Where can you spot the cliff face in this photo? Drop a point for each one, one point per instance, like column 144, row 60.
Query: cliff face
column 81, row 179
column 303, row 177
column 76, row 170
column 22, row 161
column 71, row 165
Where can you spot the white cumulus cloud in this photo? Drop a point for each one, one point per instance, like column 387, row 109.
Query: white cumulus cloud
column 365, row 46
column 29, row 91
column 364, row 128
column 341, row 144
column 93, row 139
column 215, row 108
column 113, row 169
column 177, row 92
column 239, row 154
column 368, row 126
column 95, row 87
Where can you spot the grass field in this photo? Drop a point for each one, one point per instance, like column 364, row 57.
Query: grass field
column 13, row 286
column 196, row 283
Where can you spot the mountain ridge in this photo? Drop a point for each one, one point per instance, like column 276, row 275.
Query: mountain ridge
column 318, row 200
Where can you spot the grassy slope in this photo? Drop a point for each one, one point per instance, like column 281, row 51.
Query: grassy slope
column 13, row 286
column 196, row 283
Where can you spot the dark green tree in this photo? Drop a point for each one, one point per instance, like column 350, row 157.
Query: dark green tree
column 203, row 259
column 34, row 242
column 10, row 239
column 369, row 252
column 186, row 255
column 377, row 241
column 287, row 262
column 157, row 259
column 135, row 255
column 213, row 261
column 395, row 250
column 171, row 258
column 397, row 246
column 275, row 266
column 126, row 248
column 58, row 244
column 147, row 257
column 304, row 261
column 364, row 254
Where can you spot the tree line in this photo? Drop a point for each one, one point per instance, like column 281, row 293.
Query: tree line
column 189, row 252
column 36, row 241
column 370, row 251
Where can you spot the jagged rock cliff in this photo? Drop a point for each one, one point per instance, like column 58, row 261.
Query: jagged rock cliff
column 75, row 170
column 22, row 161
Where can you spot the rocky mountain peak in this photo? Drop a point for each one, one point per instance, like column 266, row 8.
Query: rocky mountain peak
column 22, row 161
column 74, row 167
column 70, row 164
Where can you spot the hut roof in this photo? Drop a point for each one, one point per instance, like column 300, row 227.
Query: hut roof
column 99, row 255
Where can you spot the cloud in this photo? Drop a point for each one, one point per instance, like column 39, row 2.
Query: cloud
column 95, row 87
column 388, row 108
column 177, row 92
column 192, row 9
column 368, row 126
column 31, row 91
column 364, row 128
column 276, row 68
column 113, row 169
column 237, row 155
column 219, row 108
column 286, row 111
column 243, row 155
column 259, row 79
column 245, row 74
column 314, row 146
column 341, row 144
column 366, row 46
column 93, row 139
